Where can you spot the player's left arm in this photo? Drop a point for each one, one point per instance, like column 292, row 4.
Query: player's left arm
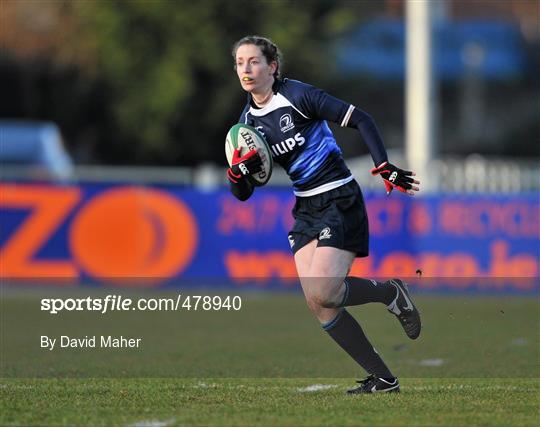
column 395, row 177
column 327, row 107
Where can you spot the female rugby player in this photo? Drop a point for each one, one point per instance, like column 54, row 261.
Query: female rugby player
column 331, row 224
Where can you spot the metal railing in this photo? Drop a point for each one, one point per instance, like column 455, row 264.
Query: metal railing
column 472, row 174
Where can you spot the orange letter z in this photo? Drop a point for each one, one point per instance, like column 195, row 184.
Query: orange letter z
column 49, row 206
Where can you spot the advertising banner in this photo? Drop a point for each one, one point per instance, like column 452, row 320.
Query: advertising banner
column 161, row 235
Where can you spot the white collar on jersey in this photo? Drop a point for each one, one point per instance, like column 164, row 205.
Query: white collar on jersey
column 277, row 101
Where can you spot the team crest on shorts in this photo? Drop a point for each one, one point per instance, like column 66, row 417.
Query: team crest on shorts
column 325, row 233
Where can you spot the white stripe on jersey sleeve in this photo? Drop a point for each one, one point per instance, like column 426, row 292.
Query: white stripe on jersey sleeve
column 347, row 116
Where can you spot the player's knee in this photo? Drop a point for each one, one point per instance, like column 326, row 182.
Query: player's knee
column 318, row 311
column 314, row 307
column 324, row 298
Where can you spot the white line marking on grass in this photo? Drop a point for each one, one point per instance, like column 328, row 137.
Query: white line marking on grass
column 201, row 385
column 519, row 341
column 438, row 387
column 315, row 387
column 153, row 423
column 204, row 385
column 431, row 362
column 17, row 386
column 467, row 387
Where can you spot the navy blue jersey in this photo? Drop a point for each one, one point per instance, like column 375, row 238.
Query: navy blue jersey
column 295, row 126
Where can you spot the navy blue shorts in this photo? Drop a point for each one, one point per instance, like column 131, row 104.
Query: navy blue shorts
column 336, row 218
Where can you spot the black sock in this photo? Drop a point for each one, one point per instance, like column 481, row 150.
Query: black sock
column 362, row 291
column 346, row 331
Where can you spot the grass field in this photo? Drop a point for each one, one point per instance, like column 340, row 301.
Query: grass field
column 267, row 402
column 476, row 363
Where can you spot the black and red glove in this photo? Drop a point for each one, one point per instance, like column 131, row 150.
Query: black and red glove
column 395, row 177
column 248, row 164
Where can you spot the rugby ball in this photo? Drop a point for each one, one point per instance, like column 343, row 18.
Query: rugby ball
column 248, row 138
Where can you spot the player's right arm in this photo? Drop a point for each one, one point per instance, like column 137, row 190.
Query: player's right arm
column 241, row 168
column 239, row 184
column 242, row 189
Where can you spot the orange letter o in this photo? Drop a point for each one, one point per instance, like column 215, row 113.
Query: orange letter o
column 134, row 233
